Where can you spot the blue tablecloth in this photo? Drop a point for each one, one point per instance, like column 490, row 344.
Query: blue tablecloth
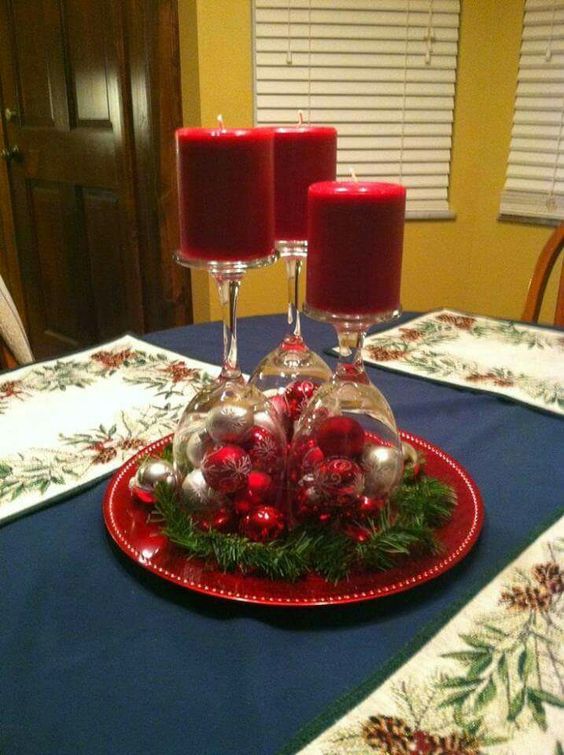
column 98, row 656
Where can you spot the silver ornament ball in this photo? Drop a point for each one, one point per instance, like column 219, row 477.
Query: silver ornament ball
column 149, row 474
column 383, row 468
column 228, row 423
column 198, row 444
column 198, row 495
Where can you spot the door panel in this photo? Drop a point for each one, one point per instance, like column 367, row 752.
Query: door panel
column 72, row 188
column 93, row 91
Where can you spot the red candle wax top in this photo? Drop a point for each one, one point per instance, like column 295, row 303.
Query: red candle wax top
column 303, row 155
column 225, row 193
column 355, row 242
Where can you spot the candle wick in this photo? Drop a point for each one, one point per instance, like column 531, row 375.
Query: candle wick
column 353, row 175
column 300, row 117
column 220, row 122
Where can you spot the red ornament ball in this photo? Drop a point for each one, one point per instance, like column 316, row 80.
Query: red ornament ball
column 368, row 508
column 341, row 436
column 339, row 479
column 265, row 451
column 357, row 533
column 263, row 524
column 222, row 520
column 298, row 393
column 312, row 458
column 282, row 411
column 309, row 507
column 259, row 490
column 226, row 469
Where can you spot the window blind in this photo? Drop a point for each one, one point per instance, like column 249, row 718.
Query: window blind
column 383, row 72
column 534, row 187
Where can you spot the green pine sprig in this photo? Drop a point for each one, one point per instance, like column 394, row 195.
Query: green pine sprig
column 405, row 527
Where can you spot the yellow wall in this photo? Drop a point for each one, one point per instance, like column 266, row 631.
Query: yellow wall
column 475, row 262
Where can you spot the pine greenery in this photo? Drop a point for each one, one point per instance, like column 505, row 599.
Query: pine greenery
column 405, row 527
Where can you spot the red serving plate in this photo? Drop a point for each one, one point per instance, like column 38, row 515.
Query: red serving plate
column 130, row 525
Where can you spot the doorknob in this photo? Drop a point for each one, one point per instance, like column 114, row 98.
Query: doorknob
column 11, row 153
column 10, row 114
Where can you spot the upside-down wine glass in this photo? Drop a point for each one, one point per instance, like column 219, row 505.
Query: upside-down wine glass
column 303, row 155
column 229, row 443
column 346, row 457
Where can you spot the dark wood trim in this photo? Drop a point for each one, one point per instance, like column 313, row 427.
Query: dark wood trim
column 9, row 259
column 154, row 60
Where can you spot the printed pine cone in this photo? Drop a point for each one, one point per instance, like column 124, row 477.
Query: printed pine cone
column 549, row 576
column 451, row 744
column 391, row 735
column 525, row 598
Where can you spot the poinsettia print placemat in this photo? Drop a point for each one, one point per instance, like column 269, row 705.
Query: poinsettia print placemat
column 521, row 362
column 72, row 420
column 490, row 681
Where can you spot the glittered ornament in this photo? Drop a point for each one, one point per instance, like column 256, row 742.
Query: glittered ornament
column 226, row 469
column 339, row 479
column 311, row 460
column 222, row 520
column 363, row 509
column 383, row 468
column 298, row 394
column 340, row 436
column 265, row 450
column 197, row 446
column 149, row 474
column 357, row 533
column 198, row 495
column 228, row 423
column 263, row 524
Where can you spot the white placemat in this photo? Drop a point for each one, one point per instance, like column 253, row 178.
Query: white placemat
column 492, row 680
column 69, row 421
column 521, row 362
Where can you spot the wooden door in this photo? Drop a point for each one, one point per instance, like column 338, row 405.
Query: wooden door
column 68, row 130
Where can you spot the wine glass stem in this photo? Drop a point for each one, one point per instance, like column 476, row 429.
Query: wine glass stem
column 351, row 365
column 228, row 285
column 293, row 269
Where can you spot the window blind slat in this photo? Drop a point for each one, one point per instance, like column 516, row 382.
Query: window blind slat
column 534, row 185
column 385, row 78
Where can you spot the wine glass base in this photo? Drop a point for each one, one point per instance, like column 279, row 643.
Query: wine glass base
column 351, row 321
column 290, row 360
column 292, row 249
column 225, row 267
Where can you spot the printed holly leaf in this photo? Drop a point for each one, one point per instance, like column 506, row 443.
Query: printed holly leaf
column 516, row 705
column 525, row 664
column 5, row 470
column 474, row 726
column 502, row 668
column 478, row 666
column 537, row 709
column 476, row 642
column 486, row 695
column 465, row 656
column 546, row 697
column 456, row 699
column 458, row 681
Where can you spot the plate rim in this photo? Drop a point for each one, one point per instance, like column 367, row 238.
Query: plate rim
column 444, row 563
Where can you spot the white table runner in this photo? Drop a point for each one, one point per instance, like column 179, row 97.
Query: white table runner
column 492, row 680
column 522, row 362
column 69, row 421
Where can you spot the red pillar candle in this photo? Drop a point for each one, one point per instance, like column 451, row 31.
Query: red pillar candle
column 355, row 241
column 303, row 155
column 225, row 193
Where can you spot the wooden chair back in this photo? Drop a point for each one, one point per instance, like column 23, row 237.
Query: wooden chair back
column 537, row 286
column 14, row 344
